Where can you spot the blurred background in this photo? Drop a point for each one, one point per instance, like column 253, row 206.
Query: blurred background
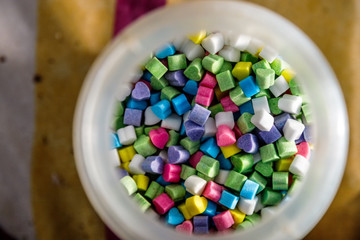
column 46, row 49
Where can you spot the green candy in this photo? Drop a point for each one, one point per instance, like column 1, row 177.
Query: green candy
column 119, row 109
column 139, row 131
column 216, row 109
column 213, row 63
column 265, row 78
column 294, row 87
column 148, row 129
column 237, row 96
column 256, row 177
column 191, row 146
column 247, row 57
column 203, row 176
column 208, row 166
column 264, row 169
column 244, row 123
column 280, row 181
column 158, row 84
column 177, row 62
column 263, row 64
column 154, row 190
column 278, row 65
column 254, row 218
column 226, row 66
column 225, row 81
column 129, row 184
column 263, row 92
column 270, row 197
column 195, row 70
column 176, row 192
column 168, row 93
column 242, row 162
column 142, row 202
column 285, row 148
column 144, row 147
column 244, row 225
column 186, row 171
column 273, row 105
column 173, row 138
column 117, row 123
column 268, row 153
column 156, row 68
column 306, row 109
column 235, row 180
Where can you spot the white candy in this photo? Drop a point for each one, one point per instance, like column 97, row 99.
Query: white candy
column 213, row 43
column 222, row 176
column 192, row 50
column 280, row 86
column 247, row 206
column 268, row 53
column 127, row 135
column 299, row 165
column 258, row 205
column 260, row 103
column 150, row 117
column 114, row 157
column 257, row 158
column 186, row 116
column 230, row 54
column 210, row 128
column 263, row 120
column 225, row 118
column 163, row 154
column 268, row 212
column 172, row 122
column 124, row 91
column 238, row 41
column 135, row 164
column 179, row 42
column 290, row 103
column 293, row 129
column 195, row 185
column 254, row 46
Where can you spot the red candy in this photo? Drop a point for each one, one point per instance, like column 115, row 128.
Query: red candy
column 237, row 131
column 204, row 96
column 213, row 191
column 223, row 220
column 159, row 137
column 163, row 203
column 172, row 173
column 195, row 158
column 209, row 80
column 225, row 136
column 228, row 105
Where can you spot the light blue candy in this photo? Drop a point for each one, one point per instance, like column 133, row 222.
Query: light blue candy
column 224, row 162
column 249, row 86
column 182, row 129
column 165, row 51
column 174, row 217
column 141, row 105
column 249, row 189
column 155, row 98
column 146, row 76
column 210, row 148
column 228, row 199
column 162, row 109
column 181, row 104
column 247, row 107
column 115, row 142
column 191, row 87
column 210, row 209
column 160, row 180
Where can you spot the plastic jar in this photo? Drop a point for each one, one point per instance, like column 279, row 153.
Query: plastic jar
column 110, row 77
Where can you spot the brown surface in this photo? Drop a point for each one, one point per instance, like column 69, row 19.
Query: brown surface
column 84, row 26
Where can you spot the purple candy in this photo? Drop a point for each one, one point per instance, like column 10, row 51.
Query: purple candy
column 177, row 155
column 199, row 115
column 269, row 136
column 140, row 92
column 280, row 120
column 132, row 117
column 248, row 143
column 121, row 172
column 194, row 131
column 201, row 224
column 300, row 139
column 307, row 134
column 176, row 78
column 153, row 164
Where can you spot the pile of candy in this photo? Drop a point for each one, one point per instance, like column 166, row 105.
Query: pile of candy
column 214, row 134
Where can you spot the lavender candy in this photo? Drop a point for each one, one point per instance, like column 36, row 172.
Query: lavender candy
column 300, row 139
column 176, row 78
column 133, row 117
column 153, row 164
column 199, row 115
column 307, row 134
column 194, row 131
column 280, row 120
column 248, row 143
column 140, row 92
column 269, row 136
column 177, row 155
column 201, row 224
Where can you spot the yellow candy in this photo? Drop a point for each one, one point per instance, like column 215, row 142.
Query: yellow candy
column 126, row 153
column 198, row 37
column 241, row 70
column 196, row 205
column 125, row 166
column 283, row 165
column 237, row 216
column 230, row 150
column 142, row 182
column 288, row 74
column 184, row 211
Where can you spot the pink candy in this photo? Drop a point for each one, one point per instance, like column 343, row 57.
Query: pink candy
column 204, row 96
column 163, row 203
column 195, row 158
column 304, row 150
column 228, row 104
column 209, row 80
column 172, row 173
column 225, row 136
column 213, row 191
column 159, row 137
column 237, row 131
column 186, row 227
column 223, row 220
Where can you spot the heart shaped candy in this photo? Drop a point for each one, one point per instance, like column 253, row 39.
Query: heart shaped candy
column 159, row 137
column 185, row 227
column 140, row 92
column 225, row 136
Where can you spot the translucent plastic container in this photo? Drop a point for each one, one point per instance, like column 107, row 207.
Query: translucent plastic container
column 110, row 78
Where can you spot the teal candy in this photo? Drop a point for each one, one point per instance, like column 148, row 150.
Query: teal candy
column 174, row 217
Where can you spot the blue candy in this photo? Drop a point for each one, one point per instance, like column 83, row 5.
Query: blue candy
column 224, row 162
column 176, row 78
column 270, row 136
column 155, row 98
column 160, row 180
column 201, row 224
column 115, row 142
column 191, row 87
column 210, row 209
column 181, row 104
column 162, row 109
column 165, row 51
column 210, row 148
column 249, row 189
column 136, row 104
column 199, row 115
column 228, row 199
column 247, row 107
column 182, row 129
column 236, row 115
column 147, row 75
column 249, row 86
column 193, row 130
column 174, row 217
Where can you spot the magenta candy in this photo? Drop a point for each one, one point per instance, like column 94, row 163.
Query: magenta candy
column 213, row 191
column 171, row 173
column 225, row 136
column 163, row 203
column 209, row 80
column 195, row 158
column 223, row 220
column 159, row 137
column 228, row 104
column 186, row 227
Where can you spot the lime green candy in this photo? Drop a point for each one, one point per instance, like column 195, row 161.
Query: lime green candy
column 274, row 107
column 244, row 123
column 280, row 181
column 270, row 197
column 148, row 129
column 212, row 63
column 259, row 179
column 268, row 153
column 235, row 180
column 265, row 78
column 176, row 192
column 225, row 80
column 173, row 138
column 195, row 70
column 226, row 66
column 208, row 166
column 237, row 96
column 156, row 68
column 144, row 147
column 247, row 57
column 285, row 148
column 154, row 190
column 242, row 162
column 129, row 184
column 139, row 131
column 186, row 171
column 203, row 176
column 216, row 109
column 168, row 93
column 263, row 64
column 142, row 202
column 177, row 62
column 264, row 169
column 158, row 84
column 191, row 146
